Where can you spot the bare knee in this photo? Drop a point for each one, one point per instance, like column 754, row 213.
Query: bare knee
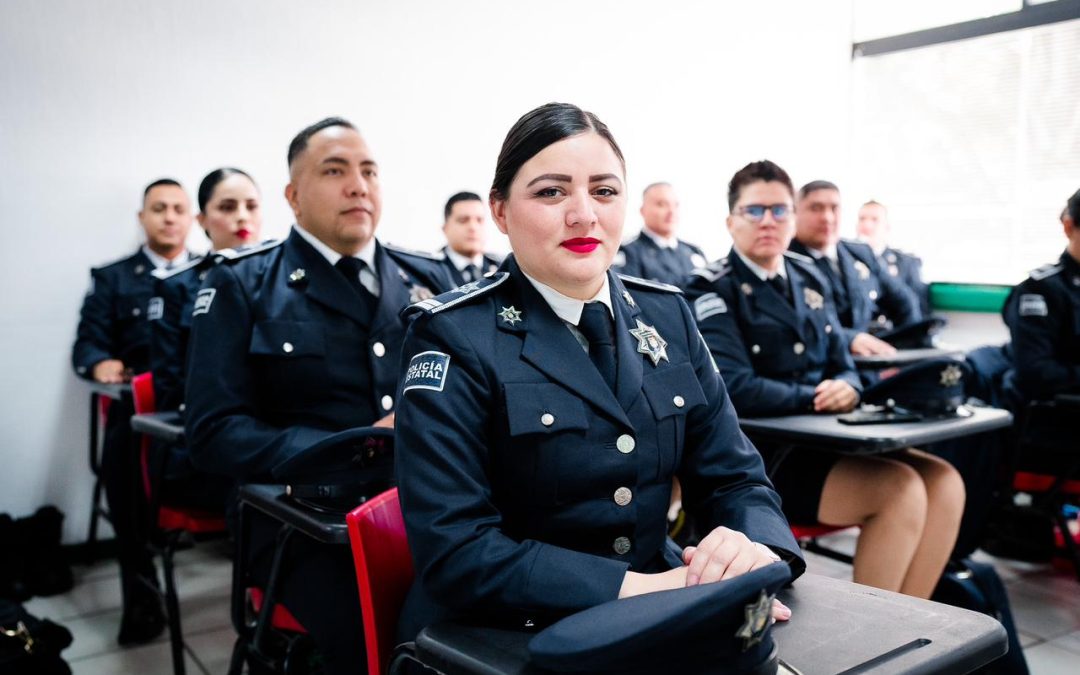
column 944, row 485
column 904, row 499
column 859, row 491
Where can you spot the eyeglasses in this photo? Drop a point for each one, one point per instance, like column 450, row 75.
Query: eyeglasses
column 755, row 213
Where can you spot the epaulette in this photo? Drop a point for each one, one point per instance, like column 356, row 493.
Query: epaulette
column 419, row 254
column 713, row 271
column 800, row 257
column 234, row 254
column 190, row 264
column 1046, row 271
column 461, row 294
column 648, row 283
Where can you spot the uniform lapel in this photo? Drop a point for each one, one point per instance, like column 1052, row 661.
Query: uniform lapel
column 631, row 364
column 851, row 282
column 763, row 296
column 309, row 272
column 393, row 295
column 798, row 296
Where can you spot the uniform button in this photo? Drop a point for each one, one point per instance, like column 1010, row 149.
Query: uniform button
column 287, row 348
column 379, row 349
column 798, row 348
column 621, row 545
column 679, row 401
column 625, row 443
column 547, row 419
column 828, row 328
column 387, row 402
column 136, row 312
column 756, row 349
column 873, row 295
column 623, row 496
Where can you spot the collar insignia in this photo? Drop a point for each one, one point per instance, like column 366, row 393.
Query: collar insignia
column 862, row 269
column 746, row 289
column 629, row 298
column 650, row 343
column 297, row 276
column 813, row 299
column 510, row 315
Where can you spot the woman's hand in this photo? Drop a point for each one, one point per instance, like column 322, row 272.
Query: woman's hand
column 834, row 396
column 724, row 554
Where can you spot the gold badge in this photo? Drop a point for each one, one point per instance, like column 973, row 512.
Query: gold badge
column 951, row 376
column 862, row 269
column 758, row 618
column 814, row 300
column 650, row 343
column 510, row 315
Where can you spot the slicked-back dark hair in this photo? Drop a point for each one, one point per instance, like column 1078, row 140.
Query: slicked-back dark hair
column 158, row 183
column 210, row 182
column 760, row 171
column 1073, row 208
column 300, row 141
column 536, row 130
column 814, row 186
column 459, row 197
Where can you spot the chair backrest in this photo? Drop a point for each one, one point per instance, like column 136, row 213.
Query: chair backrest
column 142, row 394
column 384, row 572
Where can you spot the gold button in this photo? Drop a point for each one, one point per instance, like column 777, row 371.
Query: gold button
column 756, row 349
column 287, row 348
column 621, row 545
column 798, row 348
column 623, row 496
column 873, row 295
column 625, row 443
column 547, row 419
column 387, row 403
column 679, row 401
column 379, row 349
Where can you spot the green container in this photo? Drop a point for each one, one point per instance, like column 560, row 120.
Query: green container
column 988, row 298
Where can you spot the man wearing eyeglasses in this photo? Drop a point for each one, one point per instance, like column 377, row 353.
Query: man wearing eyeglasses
column 865, row 296
column 656, row 253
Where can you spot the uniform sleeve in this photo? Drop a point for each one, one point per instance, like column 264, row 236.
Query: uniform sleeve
column 841, row 365
column 722, row 473
column 897, row 301
column 225, row 433
column 166, row 351
column 463, row 558
column 1040, row 321
column 94, row 341
column 752, row 394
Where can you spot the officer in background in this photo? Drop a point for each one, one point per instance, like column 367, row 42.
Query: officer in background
column 466, row 234
column 656, row 253
column 874, row 229
column 112, row 344
column 294, row 341
column 865, row 297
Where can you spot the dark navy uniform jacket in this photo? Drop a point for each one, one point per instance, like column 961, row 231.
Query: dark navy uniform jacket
column 490, row 264
column 771, row 353
column 867, row 299
column 112, row 323
column 1043, row 315
column 907, row 268
column 644, row 258
column 284, row 352
column 528, row 487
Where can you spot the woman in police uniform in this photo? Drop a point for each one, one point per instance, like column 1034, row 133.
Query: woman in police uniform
column 545, row 410
column 767, row 320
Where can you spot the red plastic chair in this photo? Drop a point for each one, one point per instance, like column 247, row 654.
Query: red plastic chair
column 807, row 536
column 384, row 572
column 1054, row 492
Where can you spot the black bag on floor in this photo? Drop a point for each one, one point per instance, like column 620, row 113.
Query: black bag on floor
column 976, row 586
column 32, row 561
column 30, row 646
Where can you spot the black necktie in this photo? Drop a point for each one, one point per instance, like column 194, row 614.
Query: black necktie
column 472, row 272
column 351, row 268
column 839, row 291
column 597, row 327
column 780, row 284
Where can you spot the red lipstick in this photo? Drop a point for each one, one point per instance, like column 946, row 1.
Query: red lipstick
column 581, row 244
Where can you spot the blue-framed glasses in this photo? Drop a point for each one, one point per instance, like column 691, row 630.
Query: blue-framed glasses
column 755, row 213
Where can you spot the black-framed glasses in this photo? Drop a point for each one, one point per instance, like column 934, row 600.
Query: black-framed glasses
column 755, row 213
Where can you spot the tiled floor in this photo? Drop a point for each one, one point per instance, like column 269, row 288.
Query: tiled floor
column 1045, row 603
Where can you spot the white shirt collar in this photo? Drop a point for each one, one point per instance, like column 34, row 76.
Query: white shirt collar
column 759, row 271
column 661, row 241
column 161, row 262
column 461, row 262
column 367, row 254
column 827, row 252
column 566, row 308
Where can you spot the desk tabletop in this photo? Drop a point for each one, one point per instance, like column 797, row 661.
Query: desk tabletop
column 166, row 426
column 902, row 357
column 113, row 391
column 323, row 526
column 826, row 432
column 835, row 626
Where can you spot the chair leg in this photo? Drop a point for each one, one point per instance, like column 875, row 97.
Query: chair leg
column 239, row 655
column 1066, row 535
column 95, row 515
column 172, row 606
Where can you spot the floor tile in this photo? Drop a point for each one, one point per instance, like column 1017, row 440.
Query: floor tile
column 1070, row 642
column 1048, row 659
column 89, row 596
column 1028, row 640
column 1040, row 612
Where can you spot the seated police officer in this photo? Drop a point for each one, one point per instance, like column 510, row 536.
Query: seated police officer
column 230, row 214
column 770, row 326
column 294, row 341
column 545, row 411
column 466, row 234
column 866, row 298
column 656, row 253
column 874, row 228
column 111, row 346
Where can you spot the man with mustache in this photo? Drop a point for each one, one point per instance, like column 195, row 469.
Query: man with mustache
column 294, row 341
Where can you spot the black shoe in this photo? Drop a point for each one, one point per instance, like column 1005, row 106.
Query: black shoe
column 143, row 621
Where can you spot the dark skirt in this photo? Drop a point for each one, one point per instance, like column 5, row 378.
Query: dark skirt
column 799, row 480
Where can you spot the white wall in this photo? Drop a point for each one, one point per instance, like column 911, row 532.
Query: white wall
column 99, row 98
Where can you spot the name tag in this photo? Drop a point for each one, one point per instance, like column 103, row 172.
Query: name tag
column 427, row 370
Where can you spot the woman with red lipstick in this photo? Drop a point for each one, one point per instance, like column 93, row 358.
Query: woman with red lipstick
column 545, row 409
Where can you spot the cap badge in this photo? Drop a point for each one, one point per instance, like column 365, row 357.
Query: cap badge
column 757, row 621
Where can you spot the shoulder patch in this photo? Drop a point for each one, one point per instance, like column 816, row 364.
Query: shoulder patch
column 800, row 257
column 156, row 309
column 231, row 254
column 165, row 274
column 708, row 305
column 416, row 254
column 461, row 294
column 427, row 370
column 203, row 300
column 1032, row 304
column 1046, row 271
column 713, row 271
column 646, row 283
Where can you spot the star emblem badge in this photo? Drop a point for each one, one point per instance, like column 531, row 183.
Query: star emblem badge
column 757, row 621
column 629, row 298
column 467, row 288
column 297, row 275
column 510, row 315
column 814, row 300
column 650, row 343
column 951, row 376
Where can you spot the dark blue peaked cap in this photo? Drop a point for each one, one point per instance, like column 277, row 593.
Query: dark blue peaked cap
column 342, row 470
column 932, row 387
column 722, row 627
